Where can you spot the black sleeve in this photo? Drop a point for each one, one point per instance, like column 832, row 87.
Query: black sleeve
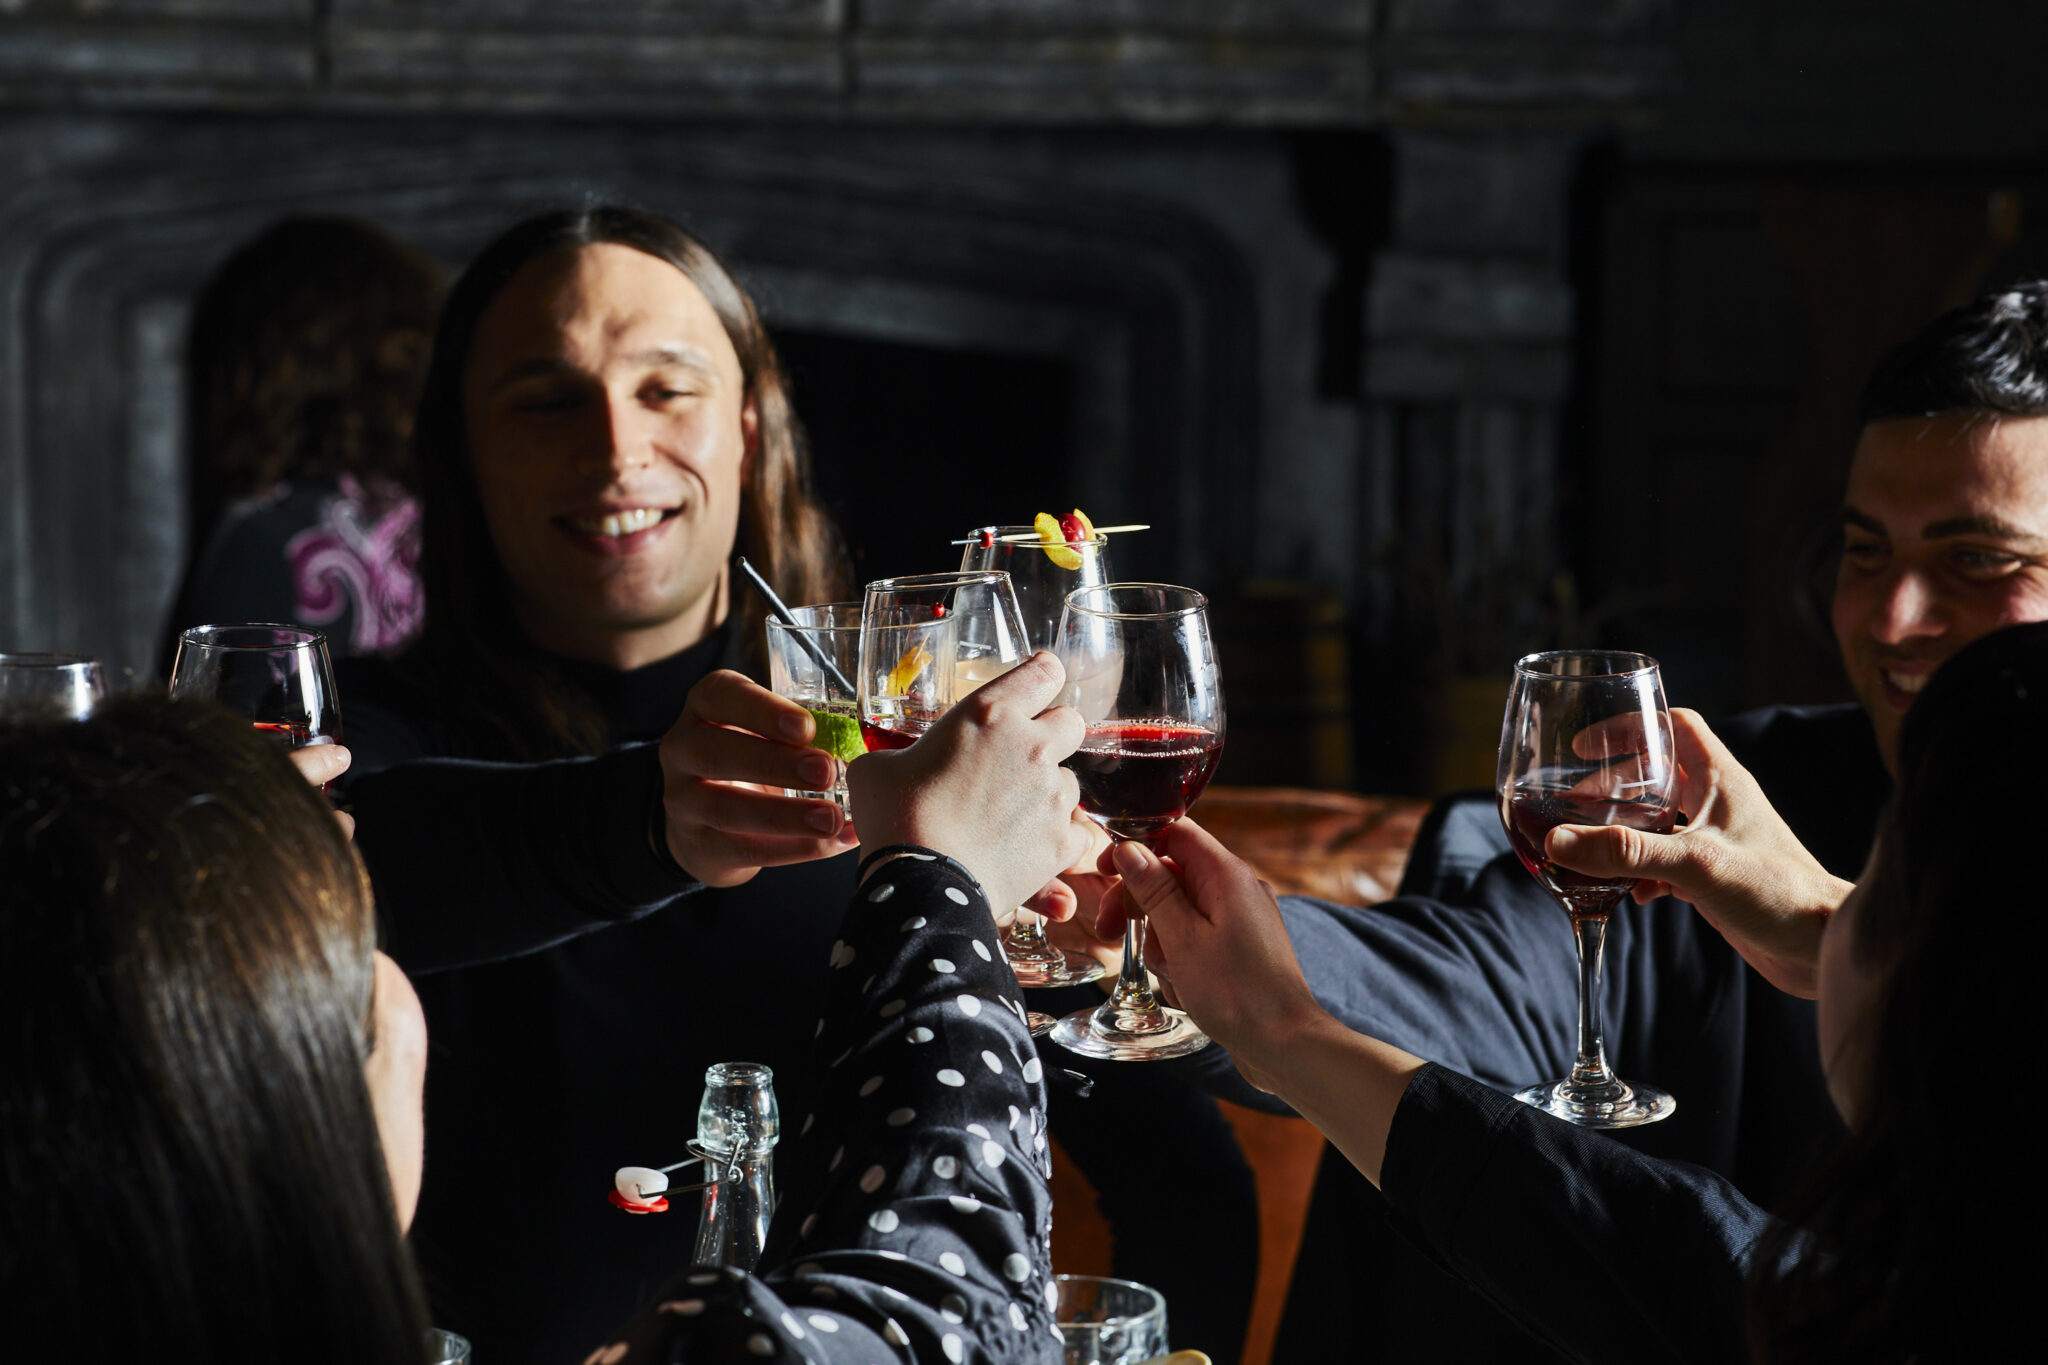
column 1489, row 986
column 473, row 862
column 916, row 1219
column 1600, row 1251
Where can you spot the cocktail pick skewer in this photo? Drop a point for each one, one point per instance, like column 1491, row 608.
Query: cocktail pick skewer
column 784, row 615
column 1032, row 538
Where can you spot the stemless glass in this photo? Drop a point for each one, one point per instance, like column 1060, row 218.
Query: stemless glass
column 1142, row 672
column 833, row 629
column 49, row 686
column 1042, row 576
column 278, row 676
column 1109, row 1322
column 1587, row 741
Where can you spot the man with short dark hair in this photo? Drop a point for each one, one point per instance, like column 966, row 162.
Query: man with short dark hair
column 1945, row 523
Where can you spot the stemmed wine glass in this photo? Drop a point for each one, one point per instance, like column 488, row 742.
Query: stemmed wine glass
column 49, row 686
column 1141, row 670
column 1587, row 741
column 1042, row 576
column 925, row 642
column 278, row 676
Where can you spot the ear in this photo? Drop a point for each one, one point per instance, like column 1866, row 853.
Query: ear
column 750, row 436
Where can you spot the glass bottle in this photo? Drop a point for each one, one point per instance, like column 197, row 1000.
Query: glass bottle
column 738, row 1125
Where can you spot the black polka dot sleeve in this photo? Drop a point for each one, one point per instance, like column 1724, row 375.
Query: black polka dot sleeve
column 915, row 1220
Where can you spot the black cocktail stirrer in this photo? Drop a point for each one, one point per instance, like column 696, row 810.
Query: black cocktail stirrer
column 784, row 615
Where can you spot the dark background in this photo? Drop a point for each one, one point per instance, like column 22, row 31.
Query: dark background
column 1424, row 332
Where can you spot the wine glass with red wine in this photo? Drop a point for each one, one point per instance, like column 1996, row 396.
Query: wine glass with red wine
column 1042, row 576
column 278, row 676
column 1587, row 741
column 925, row 642
column 1141, row 670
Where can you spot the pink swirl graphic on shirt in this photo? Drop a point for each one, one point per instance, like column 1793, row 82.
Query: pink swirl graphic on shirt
column 354, row 556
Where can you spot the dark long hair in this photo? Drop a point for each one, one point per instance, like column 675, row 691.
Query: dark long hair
column 304, row 360
column 189, row 1162
column 468, row 649
column 1922, row 1224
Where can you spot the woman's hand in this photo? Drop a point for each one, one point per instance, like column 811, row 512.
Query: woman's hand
column 984, row 785
column 1736, row 860
column 1217, row 944
column 724, row 767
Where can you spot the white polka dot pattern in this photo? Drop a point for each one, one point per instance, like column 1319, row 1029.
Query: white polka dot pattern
column 842, row 954
column 970, row 1005
column 898, row 1117
column 949, row 1076
column 760, row 1345
column 871, row 1179
column 870, row 1086
column 943, row 966
column 945, row 1167
column 881, row 893
column 1017, row 1267
column 956, row 895
column 950, row 1262
column 884, row 1220
column 920, row 1034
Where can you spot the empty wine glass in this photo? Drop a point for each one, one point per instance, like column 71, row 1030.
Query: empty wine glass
column 49, row 686
column 1587, row 741
column 1142, row 672
column 1042, row 576
column 278, row 676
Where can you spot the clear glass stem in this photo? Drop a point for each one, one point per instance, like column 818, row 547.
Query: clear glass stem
column 1592, row 1081
column 1134, row 988
column 1027, row 934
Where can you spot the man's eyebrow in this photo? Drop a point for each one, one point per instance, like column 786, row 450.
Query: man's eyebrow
column 1980, row 525
column 1862, row 521
column 688, row 357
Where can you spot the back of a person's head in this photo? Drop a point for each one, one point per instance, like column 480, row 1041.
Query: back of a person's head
column 1990, row 355
column 305, row 357
column 1917, row 1215
column 189, row 1163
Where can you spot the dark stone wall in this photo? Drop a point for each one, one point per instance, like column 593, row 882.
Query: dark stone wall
column 1424, row 401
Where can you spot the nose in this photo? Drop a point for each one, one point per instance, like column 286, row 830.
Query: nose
column 1906, row 607
column 619, row 441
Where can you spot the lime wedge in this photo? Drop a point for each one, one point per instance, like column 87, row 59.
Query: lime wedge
column 838, row 735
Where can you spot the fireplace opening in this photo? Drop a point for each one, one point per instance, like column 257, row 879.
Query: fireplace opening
column 913, row 446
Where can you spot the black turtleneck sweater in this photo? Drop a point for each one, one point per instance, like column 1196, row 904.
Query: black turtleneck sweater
column 557, row 1054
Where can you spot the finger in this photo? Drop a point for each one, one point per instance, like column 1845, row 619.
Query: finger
column 1031, row 686
column 726, row 809
column 1054, row 901
column 707, row 751
column 754, row 851
column 729, row 698
column 1150, row 885
column 1614, row 737
column 1619, row 851
column 347, row 823
column 320, row 764
column 1066, row 729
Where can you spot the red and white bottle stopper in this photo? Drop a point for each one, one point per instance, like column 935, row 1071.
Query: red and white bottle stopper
column 640, row 1189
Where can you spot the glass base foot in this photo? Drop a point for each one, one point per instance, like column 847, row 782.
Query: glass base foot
column 1059, row 969
column 1129, row 1036
column 1039, row 1022
column 1627, row 1105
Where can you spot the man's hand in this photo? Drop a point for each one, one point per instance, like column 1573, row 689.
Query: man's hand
column 1218, row 945
column 320, row 764
column 984, row 785
column 1736, row 861
column 723, row 769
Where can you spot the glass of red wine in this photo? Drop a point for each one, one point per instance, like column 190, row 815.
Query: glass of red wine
column 49, row 686
column 925, row 642
column 1042, row 577
column 278, row 676
column 1587, row 741
column 1141, row 670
